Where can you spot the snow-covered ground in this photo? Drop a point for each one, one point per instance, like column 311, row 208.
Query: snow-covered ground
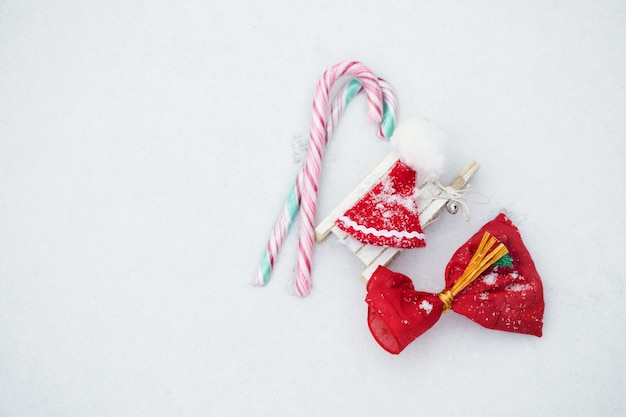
column 146, row 148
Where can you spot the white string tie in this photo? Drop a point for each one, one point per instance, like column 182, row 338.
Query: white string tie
column 457, row 199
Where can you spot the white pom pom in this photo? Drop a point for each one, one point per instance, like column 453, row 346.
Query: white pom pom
column 420, row 145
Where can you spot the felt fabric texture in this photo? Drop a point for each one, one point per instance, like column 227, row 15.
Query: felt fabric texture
column 388, row 214
column 507, row 296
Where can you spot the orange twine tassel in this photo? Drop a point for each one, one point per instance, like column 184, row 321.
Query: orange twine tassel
column 482, row 259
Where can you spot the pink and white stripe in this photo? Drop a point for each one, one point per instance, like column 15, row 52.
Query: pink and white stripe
column 309, row 181
column 292, row 205
column 322, row 127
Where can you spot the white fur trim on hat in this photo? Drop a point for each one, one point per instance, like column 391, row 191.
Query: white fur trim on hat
column 420, row 145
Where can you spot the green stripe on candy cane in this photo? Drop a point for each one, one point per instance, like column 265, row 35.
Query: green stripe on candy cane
column 289, row 213
column 389, row 122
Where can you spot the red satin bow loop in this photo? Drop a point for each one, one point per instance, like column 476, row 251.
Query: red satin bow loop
column 491, row 280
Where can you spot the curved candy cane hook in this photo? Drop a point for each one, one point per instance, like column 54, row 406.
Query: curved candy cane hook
column 382, row 108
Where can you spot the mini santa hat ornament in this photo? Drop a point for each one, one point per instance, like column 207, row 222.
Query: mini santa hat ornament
column 491, row 280
column 388, row 214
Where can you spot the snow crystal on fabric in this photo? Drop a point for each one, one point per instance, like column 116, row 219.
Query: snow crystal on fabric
column 388, row 214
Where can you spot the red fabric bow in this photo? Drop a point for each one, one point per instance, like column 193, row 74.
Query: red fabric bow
column 507, row 296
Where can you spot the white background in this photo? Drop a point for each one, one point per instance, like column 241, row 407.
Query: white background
column 146, row 148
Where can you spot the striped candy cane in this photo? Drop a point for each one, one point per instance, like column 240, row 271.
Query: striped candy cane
column 382, row 108
column 317, row 141
column 292, row 204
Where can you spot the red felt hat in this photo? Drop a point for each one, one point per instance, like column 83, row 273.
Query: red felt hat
column 388, row 214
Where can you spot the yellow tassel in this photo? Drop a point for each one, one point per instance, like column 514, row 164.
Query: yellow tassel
column 481, row 260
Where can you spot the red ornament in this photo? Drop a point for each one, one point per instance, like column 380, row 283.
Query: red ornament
column 388, row 214
column 501, row 292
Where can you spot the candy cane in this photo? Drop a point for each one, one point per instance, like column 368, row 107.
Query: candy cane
column 317, row 140
column 382, row 107
column 292, row 204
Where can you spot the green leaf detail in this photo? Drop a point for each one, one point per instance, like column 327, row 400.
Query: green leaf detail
column 505, row 261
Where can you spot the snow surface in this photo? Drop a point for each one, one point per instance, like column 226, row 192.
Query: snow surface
column 146, row 148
